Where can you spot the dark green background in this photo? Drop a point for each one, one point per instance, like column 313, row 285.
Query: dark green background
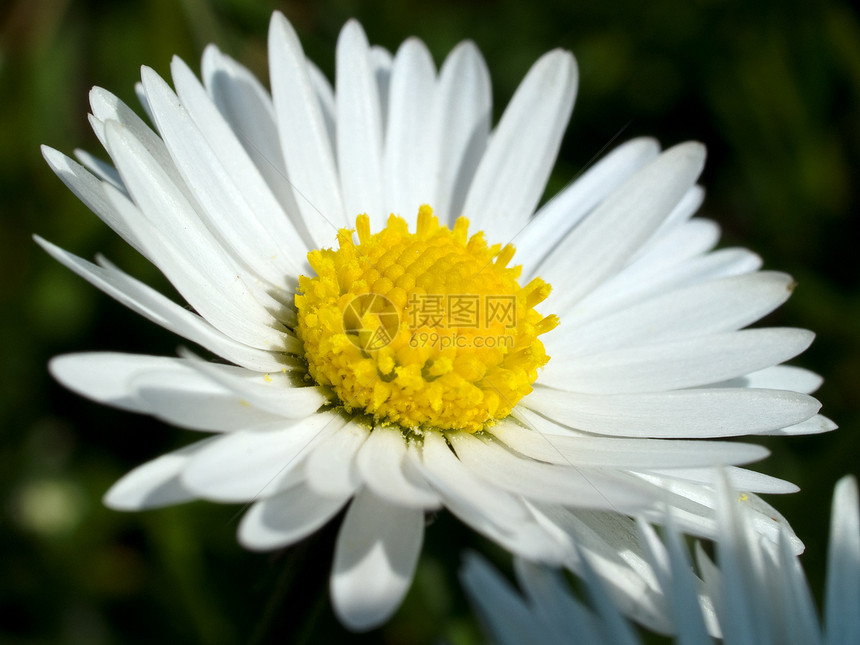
column 771, row 88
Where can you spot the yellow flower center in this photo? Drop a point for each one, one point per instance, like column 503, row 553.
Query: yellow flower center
column 424, row 330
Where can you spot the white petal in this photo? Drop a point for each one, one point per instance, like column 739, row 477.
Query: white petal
column 701, row 309
column 304, row 139
column 513, row 172
column 675, row 414
column 107, row 107
column 603, row 242
column 408, row 130
column 631, row 287
column 679, row 243
column 286, row 518
column 190, row 257
column 274, row 393
column 251, row 464
column 567, row 207
column 105, row 377
column 622, row 453
column 461, row 127
column 381, row 464
column 168, row 388
column 155, row 483
column 182, row 396
column 676, row 364
column 156, row 307
column 236, row 191
column 359, row 132
column 677, row 220
column 375, row 557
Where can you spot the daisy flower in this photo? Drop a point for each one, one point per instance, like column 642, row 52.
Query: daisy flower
column 347, row 258
column 756, row 593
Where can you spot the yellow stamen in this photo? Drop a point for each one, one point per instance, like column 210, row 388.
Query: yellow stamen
column 426, row 330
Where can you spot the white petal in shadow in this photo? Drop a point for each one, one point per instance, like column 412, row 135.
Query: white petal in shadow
column 441, row 467
column 330, row 469
column 408, row 131
column 376, row 553
column 799, row 616
column 550, row 598
column 251, row 464
column 101, row 169
column 381, row 62
column 611, row 545
column 629, row 454
column 247, row 107
column 91, row 192
column 286, row 518
column 672, row 567
column 505, row 615
column 568, row 485
column 155, row 483
column 359, row 132
column 460, row 128
column 842, row 594
column 742, row 571
column 740, row 478
column 381, row 462
column 778, row 377
column 304, row 138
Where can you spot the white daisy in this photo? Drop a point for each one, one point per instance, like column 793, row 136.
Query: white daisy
column 755, row 594
column 337, row 396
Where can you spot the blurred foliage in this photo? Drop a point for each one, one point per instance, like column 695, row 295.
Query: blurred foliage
column 771, row 87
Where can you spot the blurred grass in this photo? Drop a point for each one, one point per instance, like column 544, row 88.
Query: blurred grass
column 771, row 88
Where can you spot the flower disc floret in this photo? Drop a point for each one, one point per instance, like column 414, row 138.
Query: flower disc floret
column 426, row 330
